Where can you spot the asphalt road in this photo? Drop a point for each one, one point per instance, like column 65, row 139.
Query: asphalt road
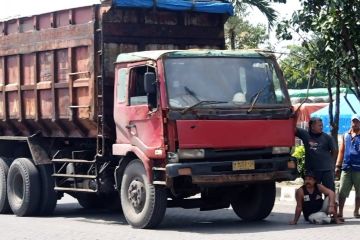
column 70, row 221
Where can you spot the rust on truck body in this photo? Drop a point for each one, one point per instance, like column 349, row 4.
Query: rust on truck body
column 50, row 63
column 47, row 74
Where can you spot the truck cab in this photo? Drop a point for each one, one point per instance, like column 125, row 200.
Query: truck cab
column 209, row 122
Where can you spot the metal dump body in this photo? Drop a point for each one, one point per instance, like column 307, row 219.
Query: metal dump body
column 56, row 69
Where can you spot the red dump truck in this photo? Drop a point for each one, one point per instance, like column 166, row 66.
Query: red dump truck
column 159, row 128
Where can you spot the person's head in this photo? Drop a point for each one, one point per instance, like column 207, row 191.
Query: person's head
column 309, row 179
column 315, row 125
column 355, row 122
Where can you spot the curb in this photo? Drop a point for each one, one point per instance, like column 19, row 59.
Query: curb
column 287, row 194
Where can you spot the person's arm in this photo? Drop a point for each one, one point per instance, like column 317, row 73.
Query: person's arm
column 300, row 133
column 340, row 158
column 299, row 195
column 333, row 148
column 331, row 194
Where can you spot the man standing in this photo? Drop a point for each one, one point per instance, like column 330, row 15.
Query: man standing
column 309, row 201
column 320, row 152
column 349, row 162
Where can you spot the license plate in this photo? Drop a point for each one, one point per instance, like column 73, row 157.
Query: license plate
column 243, row 165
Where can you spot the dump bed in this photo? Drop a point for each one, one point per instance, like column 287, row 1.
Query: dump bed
column 56, row 69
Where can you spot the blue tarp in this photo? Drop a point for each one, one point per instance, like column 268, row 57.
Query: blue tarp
column 209, row 6
column 345, row 113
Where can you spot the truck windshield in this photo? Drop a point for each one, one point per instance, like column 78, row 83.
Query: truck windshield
column 232, row 82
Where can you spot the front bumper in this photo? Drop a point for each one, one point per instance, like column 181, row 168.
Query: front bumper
column 209, row 173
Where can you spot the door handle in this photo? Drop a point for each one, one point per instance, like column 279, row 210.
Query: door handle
column 130, row 126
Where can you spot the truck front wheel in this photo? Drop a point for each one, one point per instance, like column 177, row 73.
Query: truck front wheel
column 255, row 202
column 143, row 204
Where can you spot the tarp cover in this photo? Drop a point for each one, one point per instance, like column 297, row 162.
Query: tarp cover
column 346, row 111
column 209, row 6
column 315, row 92
column 307, row 109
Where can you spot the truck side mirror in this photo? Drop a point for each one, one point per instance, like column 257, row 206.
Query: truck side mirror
column 150, row 83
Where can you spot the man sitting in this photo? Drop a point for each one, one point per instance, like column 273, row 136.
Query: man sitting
column 309, row 200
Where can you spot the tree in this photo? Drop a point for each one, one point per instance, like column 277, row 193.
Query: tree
column 298, row 63
column 296, row 66
column 240, row 34
column 336, row 23
column 262, row 5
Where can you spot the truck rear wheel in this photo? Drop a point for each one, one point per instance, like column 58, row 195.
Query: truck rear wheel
column 48, row 195
column 143, row 204
column 23, row 187
column 4, row 202
column 255, row 202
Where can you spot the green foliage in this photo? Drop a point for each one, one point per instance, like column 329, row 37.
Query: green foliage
column 262, row 5
column 299, row 154
column 241, row 34
column 335, row 50
column 335, row 23
column 297, row 66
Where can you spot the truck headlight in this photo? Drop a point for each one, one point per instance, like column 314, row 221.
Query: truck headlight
column 191, row 153
column 280, row 150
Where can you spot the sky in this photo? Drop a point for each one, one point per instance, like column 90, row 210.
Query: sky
column 15, row 8
column 285, row 11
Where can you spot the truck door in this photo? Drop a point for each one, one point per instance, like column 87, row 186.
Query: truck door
column 137, row 115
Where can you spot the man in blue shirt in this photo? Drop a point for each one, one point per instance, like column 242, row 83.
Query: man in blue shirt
column 349, row 162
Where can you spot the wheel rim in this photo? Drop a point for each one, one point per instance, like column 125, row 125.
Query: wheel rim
column 18, row 187
column 137, row 195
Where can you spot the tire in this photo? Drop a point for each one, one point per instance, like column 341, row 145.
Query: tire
column 4, row 202
column 23, row 187
column 48, row 198
column 254, row 203
column 146, row 209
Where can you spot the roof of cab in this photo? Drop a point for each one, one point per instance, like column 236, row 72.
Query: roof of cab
column 157, row 54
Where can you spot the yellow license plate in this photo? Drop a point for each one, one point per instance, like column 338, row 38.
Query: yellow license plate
column 243, row 165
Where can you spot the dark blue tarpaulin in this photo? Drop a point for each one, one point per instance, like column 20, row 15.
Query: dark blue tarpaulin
column 346, row 111
column 209, row 6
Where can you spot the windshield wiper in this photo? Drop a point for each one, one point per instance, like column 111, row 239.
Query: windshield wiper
column 204, row 102
column 256, row 98
column 192, row 93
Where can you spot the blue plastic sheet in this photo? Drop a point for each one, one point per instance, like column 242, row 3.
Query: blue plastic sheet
column 346, row 111
column 134, row 3
column 209, row 6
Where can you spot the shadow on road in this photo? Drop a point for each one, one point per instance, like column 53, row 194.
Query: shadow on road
column 224, row 221
column 185, row 220
column 102, row 216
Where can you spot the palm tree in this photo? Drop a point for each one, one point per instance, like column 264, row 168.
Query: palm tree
column 240, row 8
column 262, row 5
